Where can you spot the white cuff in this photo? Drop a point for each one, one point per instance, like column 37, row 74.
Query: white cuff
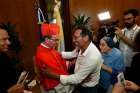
column 63, row 79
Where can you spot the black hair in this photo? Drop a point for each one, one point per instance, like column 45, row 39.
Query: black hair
column 14, row 38
column 84, row 32
column 4, row 27
column 134, row 12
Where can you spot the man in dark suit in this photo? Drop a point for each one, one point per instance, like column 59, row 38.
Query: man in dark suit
column 8, row 73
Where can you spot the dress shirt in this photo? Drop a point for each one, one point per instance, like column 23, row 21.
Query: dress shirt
column 88, row 64
column 128, row 52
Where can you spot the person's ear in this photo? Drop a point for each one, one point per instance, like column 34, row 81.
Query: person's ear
column 136, row 18
column 86, row 38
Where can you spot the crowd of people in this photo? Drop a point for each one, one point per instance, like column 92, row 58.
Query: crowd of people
column 96, row 68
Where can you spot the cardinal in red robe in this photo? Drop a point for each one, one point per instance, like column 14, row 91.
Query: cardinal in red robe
column 48, row 59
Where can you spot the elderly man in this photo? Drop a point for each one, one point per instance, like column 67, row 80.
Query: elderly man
column 8, row 73
column 48, row 61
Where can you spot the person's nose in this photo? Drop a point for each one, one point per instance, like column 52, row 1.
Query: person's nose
column 73, row 40
column 8, row 42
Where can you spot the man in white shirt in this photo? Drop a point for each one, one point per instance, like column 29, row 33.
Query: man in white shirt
column 128, row 34
column 88, row 63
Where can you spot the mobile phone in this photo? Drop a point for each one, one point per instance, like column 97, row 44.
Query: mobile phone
column 121, row 79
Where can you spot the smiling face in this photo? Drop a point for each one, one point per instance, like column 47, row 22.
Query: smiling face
column 104, row 47
column 4, row 41
column 52, row 42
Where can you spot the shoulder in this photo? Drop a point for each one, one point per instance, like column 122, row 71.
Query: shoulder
column 137, row 55
column 138, row 26
column 117, row 53
column 95, row 56
column 93, row 49
column 137, row 29
column 41, row 48
column 41, row 51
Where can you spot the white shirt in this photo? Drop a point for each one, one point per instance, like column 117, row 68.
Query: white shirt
column 87, row 64
column 126, row 50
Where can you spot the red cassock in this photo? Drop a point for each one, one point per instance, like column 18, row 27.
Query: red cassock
column 51, row 59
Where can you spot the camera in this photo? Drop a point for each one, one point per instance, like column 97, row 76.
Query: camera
column 108, row 29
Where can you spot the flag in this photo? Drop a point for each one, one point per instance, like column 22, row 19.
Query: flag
column 57, row 16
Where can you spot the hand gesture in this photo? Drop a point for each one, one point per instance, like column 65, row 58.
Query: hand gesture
column 119, row 32
column 16, row 89
column 130, row 86
column 118, row 88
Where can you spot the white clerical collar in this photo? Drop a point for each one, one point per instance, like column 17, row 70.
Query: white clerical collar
column 42, row 44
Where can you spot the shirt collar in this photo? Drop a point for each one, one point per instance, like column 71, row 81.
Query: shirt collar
column 86, row 51
column 135, row 27
column 132, row 29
